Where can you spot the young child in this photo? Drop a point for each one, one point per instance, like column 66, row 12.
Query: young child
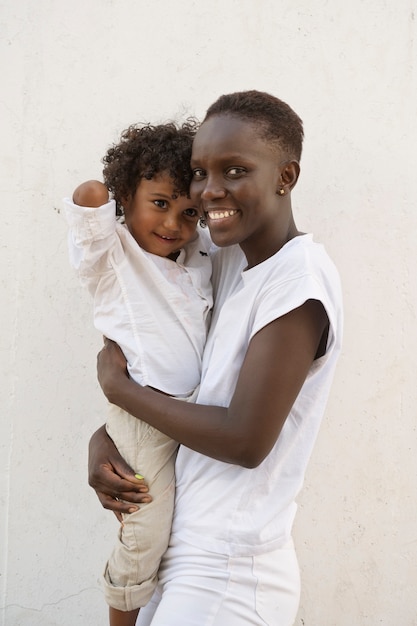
column 150, row 280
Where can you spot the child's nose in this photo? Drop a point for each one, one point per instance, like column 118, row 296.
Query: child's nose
column 172, row 222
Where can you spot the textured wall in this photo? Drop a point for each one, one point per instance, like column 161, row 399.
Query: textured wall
column 75, row 74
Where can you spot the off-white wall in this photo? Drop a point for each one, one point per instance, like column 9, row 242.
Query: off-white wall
column 76, row 73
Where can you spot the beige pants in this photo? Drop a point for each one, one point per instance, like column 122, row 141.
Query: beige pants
column 130, row 576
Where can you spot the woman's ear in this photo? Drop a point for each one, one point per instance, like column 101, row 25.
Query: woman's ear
column 289, row 175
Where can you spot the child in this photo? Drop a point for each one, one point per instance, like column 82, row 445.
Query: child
column 150, row 279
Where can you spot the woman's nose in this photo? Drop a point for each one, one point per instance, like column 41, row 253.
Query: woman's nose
column 213, row 189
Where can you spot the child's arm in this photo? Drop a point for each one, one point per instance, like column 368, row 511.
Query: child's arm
column 92, row 193
column 92, row 230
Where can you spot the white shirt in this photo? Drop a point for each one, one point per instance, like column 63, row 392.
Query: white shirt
column 226, row 508
column 156, row 309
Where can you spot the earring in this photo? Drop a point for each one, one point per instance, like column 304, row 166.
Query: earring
column 281, row 192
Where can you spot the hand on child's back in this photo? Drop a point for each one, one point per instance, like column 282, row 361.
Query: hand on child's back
column 92, row 193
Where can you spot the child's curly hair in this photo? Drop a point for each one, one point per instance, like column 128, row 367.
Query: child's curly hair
column 144, row 151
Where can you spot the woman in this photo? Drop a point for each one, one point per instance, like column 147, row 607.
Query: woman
column 267, row 369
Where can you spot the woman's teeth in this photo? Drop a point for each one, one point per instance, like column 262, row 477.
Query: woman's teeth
column 219, row 215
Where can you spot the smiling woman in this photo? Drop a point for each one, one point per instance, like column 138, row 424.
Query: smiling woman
column 268, row 364
column 242, row 188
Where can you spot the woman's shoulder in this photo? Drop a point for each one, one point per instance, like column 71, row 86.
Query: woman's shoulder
column 303, row 255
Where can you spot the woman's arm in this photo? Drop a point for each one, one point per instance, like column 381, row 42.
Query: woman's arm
column 278, row 359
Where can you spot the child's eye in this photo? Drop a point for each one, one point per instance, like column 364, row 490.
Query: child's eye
column 191, row 212
column 198, row 173
column 162, row 204
column 235, row 171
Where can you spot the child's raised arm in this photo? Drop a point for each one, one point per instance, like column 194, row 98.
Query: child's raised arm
column 92, row 193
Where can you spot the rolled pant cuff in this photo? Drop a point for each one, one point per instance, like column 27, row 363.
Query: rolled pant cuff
column 127, row 598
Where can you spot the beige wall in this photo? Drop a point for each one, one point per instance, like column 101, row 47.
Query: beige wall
column 73, row 75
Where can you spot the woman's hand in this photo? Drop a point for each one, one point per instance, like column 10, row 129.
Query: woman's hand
column 111, row 369
column 113, row 480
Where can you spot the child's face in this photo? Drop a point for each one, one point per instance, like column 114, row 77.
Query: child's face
column 161, row 221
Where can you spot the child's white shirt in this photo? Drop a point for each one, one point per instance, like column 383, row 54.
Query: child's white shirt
column 157, row 310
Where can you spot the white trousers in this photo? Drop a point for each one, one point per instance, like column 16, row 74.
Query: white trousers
column 199, row 588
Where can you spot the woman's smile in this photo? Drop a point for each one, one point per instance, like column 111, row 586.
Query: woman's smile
column 220, row 214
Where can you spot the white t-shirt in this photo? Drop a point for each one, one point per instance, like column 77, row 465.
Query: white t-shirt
column 226, row 508
column 157, row 310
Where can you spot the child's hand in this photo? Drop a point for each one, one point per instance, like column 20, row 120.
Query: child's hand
column 92, row 193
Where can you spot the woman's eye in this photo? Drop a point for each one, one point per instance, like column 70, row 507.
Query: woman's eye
column 236, row 171
column 162, row 204
column 198, row 173
column 191, row 212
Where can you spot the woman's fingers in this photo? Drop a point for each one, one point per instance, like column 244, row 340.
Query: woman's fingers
column 114, row 481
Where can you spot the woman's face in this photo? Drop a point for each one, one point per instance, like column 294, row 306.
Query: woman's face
column 236, row 176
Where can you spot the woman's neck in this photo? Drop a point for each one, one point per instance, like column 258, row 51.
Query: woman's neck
column 270, row 245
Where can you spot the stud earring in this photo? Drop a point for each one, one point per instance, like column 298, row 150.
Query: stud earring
column 281, row 192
